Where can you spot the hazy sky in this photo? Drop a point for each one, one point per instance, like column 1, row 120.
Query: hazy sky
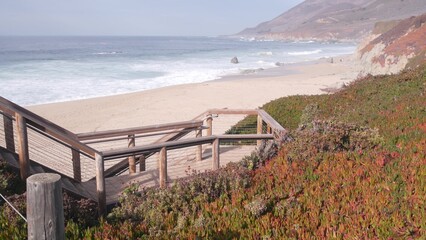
column 136, row 17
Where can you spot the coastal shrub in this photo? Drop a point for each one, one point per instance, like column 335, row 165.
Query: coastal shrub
column 331, row 136
column 179, row 204
column 309, row 114
column 264, row 152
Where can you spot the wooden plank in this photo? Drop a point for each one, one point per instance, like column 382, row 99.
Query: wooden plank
column 100, row 184
column 132, row 159
column 216, row 154
column 45, row 213
column 233, row 111
column 140, row 130
column 162, row 168
column 259, row 128
column 46, row 126
column 76, row 165
column 24, row 156
column 199, row 148
column 8, row 132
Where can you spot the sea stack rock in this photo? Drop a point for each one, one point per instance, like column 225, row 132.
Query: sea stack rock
column 234, row 60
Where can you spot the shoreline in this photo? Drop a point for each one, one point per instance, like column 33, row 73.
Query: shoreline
column 183, row 102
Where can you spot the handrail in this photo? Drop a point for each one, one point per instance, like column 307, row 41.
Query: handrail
column 46, row 126
column 232, row 111
column 270, row 121
column 125, row 152
column 139, row 130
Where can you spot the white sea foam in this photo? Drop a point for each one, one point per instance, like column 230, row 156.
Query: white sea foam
column 302, row 53
column 265, row 54
column 107, row 53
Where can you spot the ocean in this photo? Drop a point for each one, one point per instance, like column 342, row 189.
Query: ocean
column 36, row 70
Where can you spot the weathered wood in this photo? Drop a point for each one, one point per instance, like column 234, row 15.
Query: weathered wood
column 8, row 132
column 45, row 214
column 132, row 159
column 233, row 111
column 209, row 121
column 259, row 128
column 76, row 165
column 268, row 128
column 270, row 121
column 238, row 137
column 46, row 126
column 142, row 163
column 113, row 154
column 199, row 148
column 162, row 168
column 24, row 157
column 100, row 184
column 216, row 154
column 140, row 130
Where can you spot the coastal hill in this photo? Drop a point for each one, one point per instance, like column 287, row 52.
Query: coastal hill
column 395, row 45
column 334, row 19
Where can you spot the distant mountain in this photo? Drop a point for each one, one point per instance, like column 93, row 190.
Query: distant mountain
column 394, row 46
column 334, row 19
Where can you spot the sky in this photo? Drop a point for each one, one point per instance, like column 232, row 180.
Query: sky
column 136, row 17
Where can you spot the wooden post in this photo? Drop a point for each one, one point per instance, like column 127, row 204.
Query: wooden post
column 76, row 164
column 45, row 213
column 8, row 132
column 209, row 125
column 132, row 159
column 216, row 153
column 142, row 163
column 199, row 148
column 100, row 184
column 259, row 128
column 24, row 159
column 163, row 167
column 268, row 129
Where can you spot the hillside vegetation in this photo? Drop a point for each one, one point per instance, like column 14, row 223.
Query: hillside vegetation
column 352, row 167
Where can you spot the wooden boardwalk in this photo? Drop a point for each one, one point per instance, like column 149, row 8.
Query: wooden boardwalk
column 100, row 165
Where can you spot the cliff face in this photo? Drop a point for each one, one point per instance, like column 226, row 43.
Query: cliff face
column 391, row 50
column 334, row 19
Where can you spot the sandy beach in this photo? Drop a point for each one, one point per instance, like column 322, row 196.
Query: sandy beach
column 183, row 102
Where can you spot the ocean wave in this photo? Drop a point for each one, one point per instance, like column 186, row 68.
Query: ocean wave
column 264, row 54
column 108, row 53
column 304, row 53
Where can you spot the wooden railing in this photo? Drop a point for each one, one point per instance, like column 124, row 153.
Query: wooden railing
column 172, row 139
column 25, row 120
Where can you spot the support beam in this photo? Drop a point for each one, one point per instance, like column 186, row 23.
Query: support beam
column 142, row 163
column 259, row 128
column 216, row 153
column 76, row 165
column 8, row 132
column 24, row 158
column 209, row 121
column 132, row 159
column 199, row 148
column 163, row 167
column 100, row 184
column 268, row 129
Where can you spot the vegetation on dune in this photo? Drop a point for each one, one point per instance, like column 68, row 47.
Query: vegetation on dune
column 352, row 166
